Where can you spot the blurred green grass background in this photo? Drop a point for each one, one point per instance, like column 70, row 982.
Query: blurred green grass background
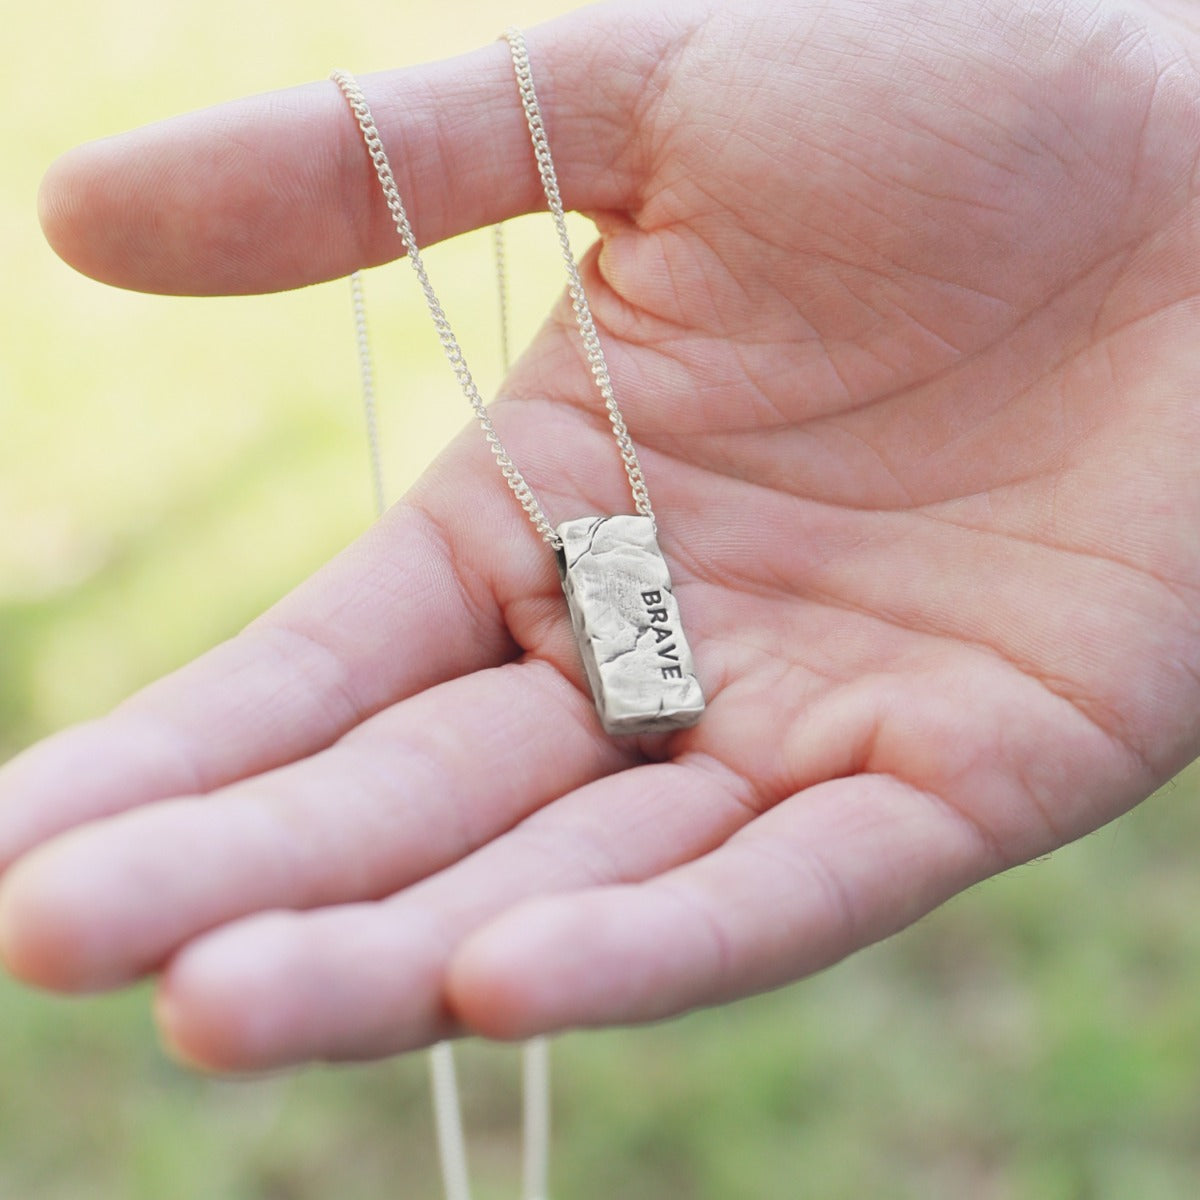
column 168, row 467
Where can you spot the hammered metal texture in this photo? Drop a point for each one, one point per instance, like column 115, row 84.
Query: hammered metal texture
column 626, row 620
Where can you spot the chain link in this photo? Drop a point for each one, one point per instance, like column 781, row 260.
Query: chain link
column 579, row 303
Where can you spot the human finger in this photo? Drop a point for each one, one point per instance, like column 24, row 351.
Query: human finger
column 397, row 612
column 412, row 790
column 277, row 191
column 368, row 979
column 836, row 868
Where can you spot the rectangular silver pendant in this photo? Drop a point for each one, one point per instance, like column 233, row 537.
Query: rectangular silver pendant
column 626, row 620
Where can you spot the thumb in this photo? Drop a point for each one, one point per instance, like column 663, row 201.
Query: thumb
column 276, row 191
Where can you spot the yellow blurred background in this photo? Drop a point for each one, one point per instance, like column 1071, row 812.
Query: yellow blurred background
column 155, row 445
column 168, row 467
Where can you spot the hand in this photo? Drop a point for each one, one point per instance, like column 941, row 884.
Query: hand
column 900, row 305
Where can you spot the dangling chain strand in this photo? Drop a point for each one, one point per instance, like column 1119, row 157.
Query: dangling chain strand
column 579, row 301
column 500, row 258
column 535, row 1054
column 366, row 371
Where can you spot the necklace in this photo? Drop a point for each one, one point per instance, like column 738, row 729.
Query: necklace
column 614, row 576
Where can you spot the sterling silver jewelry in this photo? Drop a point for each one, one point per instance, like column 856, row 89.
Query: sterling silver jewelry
column 614, row 576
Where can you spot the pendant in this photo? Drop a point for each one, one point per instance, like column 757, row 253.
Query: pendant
column 626, row 620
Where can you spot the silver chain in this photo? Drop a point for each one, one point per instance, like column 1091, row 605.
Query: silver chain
column 366, row 371
column 453, row 351
column 579, row 304
column 500, row 261
column 579, row 301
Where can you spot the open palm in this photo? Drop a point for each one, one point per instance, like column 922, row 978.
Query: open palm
column 900, row 306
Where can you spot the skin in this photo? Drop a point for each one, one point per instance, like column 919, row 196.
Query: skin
column 901, row 305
